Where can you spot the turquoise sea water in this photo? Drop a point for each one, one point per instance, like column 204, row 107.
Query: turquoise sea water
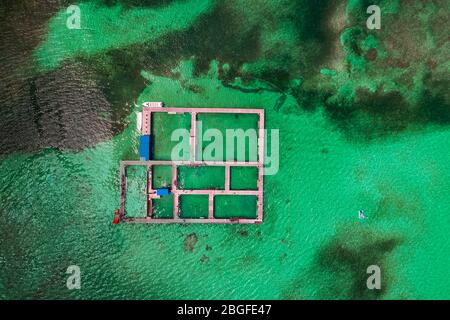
column 343, row 146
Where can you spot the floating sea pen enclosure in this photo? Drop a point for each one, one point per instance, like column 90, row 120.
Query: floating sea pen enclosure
column 192, row 187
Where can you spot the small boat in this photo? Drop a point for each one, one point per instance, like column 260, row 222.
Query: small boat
column 361, row 214
column 116, row 216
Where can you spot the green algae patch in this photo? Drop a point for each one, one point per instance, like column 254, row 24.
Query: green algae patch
column 234, row 134
column 163, row 207
column 193, row 206
column 164, row 137
column 104, row 28
column 136, row 202
column 176, row 89
column 328, row 72
column 203, row 177
column 161, row 176
column 343, row 262
column 243, row 178
column 227, row 206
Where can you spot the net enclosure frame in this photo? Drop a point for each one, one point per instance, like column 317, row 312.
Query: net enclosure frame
column 147, row 113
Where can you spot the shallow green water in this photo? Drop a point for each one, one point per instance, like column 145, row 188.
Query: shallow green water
column 57, row 204
column 194, row 206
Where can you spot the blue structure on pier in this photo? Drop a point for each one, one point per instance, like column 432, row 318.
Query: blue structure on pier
column 144, row 147
column 162, row 192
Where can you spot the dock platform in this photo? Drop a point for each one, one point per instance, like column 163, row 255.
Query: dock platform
column 193, row 162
